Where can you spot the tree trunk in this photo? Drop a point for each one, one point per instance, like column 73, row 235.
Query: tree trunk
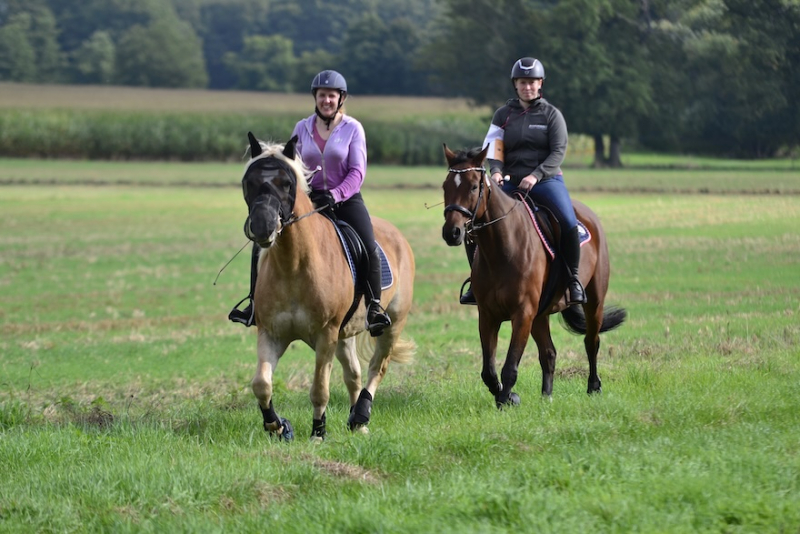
column 614, row 152
column 599, row 151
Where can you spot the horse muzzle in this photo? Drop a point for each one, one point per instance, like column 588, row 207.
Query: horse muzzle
column 263, row 226
column 453, row 234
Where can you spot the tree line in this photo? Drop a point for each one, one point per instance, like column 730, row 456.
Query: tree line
column 719, row 77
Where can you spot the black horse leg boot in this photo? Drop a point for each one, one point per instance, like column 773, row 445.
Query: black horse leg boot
column 467, row 297
column 571, row 249
column 377, row 318
column 247, row 315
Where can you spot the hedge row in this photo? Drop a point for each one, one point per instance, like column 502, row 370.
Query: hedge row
column 187, row 136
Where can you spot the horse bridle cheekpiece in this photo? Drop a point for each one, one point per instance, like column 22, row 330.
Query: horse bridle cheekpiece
column 461, row 209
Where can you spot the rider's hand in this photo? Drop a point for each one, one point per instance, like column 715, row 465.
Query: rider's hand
column 322, row 199
column 527, row 183
column 498, row 178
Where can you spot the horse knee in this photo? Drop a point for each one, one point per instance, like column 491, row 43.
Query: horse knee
column 261, row 389
column 320, row 397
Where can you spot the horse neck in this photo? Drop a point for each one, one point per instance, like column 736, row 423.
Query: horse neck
column 504, row 237
column 298, row 242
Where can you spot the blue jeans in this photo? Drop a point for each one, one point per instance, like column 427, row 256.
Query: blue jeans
column 552, row 194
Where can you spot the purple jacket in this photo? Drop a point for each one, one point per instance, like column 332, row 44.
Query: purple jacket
column 343, row 165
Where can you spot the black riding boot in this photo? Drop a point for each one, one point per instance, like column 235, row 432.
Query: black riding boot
column 467, row 296
column 247, row 316
column 377, row 318
column 571, row 249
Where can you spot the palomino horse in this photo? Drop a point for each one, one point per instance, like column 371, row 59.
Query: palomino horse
column 305, row 290
column 510, row 271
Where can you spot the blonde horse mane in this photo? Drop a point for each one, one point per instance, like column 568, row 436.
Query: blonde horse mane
column 275, row 150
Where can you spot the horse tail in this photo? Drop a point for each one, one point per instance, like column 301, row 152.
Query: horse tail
column 402, row 351
column 574, row 319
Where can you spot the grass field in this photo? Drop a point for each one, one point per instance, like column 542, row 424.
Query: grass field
column 82, row 97
column 125, row 402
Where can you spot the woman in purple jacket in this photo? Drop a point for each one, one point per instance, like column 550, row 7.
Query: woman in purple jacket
column 333, row 144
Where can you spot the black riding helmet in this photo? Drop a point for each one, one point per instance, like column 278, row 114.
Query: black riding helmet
column 329, row 79
column 527, row 67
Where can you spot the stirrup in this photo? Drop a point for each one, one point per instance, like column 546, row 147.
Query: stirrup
column 575, row 293
column 245, row 316
column 467, row 297
column 377, row 318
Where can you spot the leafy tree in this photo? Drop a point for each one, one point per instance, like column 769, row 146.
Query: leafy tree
column 264, row 64
column 308, row 65
column 166, row 53
column 94, row 60
column 17, row 56
column 223, row 27
column 740, row 62
column 475, row 44
column 28, row 47
column 602, row 67
column 375, row 57
column 42, row 36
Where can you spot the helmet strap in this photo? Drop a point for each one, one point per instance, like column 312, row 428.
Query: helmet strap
column 326, row 120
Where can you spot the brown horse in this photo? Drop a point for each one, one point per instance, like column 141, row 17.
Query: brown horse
column 510, row 271
column 305, row 290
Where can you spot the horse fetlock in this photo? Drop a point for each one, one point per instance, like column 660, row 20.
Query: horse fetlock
column 318, row 428
column 360, row 411
column 594, row 387
column 495, row 387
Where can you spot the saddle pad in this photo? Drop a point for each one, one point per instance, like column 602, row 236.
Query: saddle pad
column 387, row 277
column 584, row 236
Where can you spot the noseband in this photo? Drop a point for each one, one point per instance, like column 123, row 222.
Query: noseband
column 471, row 226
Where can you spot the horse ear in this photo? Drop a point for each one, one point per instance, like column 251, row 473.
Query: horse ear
column 448, row 154
column 288, row 150
column 480, row 158
column 255, row 146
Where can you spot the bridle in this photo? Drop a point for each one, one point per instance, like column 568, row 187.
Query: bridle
column 471, row 226
column 273, row 196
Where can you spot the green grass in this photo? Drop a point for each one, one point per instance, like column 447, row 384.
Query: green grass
column 125, row 402
column 142, row 99
column 727, row 179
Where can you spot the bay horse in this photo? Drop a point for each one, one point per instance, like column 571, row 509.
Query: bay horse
column 305, row 290
column 510, row 271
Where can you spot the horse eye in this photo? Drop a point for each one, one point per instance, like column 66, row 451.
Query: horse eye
column 474, row 188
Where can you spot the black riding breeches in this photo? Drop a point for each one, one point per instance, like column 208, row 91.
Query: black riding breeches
column 354, row 212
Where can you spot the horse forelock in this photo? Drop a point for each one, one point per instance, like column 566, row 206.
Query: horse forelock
column 466, row 155
column 275, row 151
column 471, row 158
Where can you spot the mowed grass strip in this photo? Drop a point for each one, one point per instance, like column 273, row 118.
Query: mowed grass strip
column 734, row 179
column 125, row 404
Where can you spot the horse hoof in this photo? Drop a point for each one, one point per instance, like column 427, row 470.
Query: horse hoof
column 360, row 429
column 512, row 400
column 316, row 439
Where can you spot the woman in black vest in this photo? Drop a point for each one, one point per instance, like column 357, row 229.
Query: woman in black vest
column 527, row 143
